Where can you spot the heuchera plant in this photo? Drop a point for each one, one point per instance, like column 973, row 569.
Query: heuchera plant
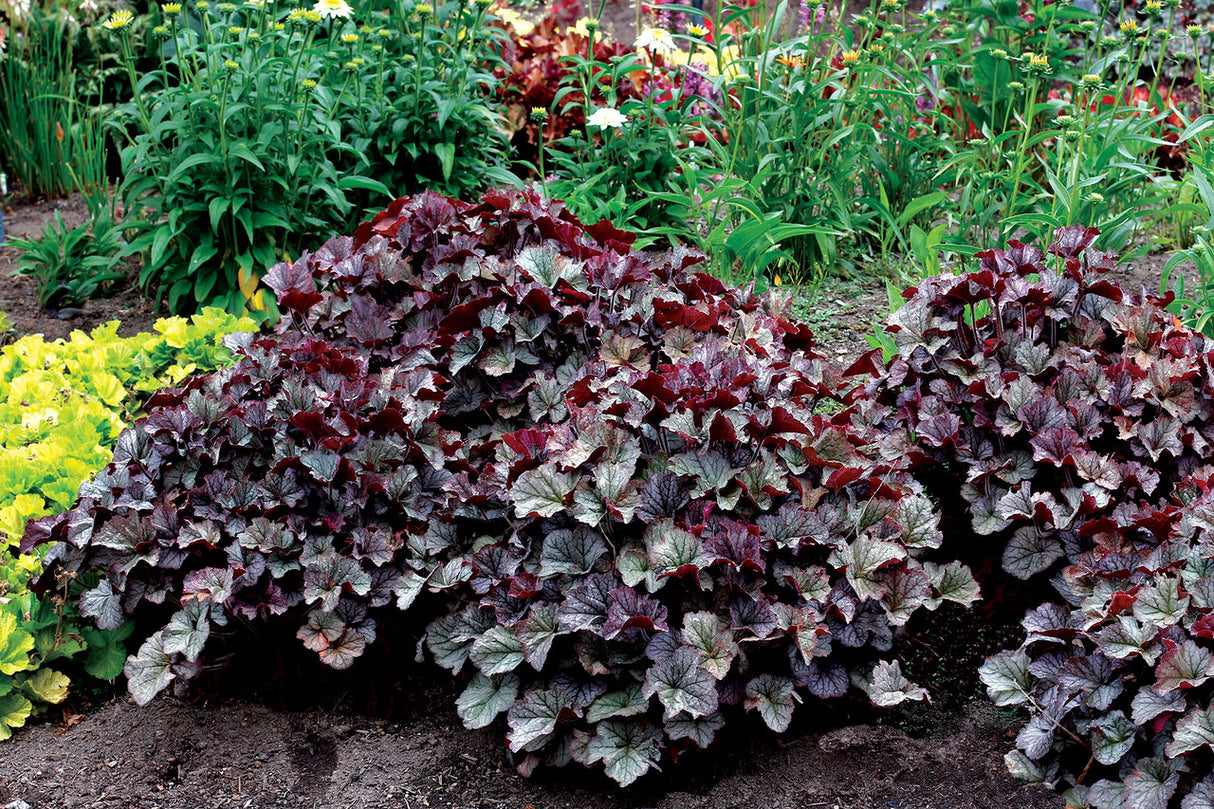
column 1119, row 679
column 1053, row 403
column 607, row 467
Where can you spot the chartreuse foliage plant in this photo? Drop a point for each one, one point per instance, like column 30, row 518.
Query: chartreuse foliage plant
column 64, row 405
column 602, row 469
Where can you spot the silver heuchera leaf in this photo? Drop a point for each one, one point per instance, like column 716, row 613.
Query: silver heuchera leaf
column 919, row 521
column 863, row 558
column 407, row 588
column 628, row 748
column 1036, row 737
column 1127, row 638
column 497, row 651
column 1151, row 784
column 774, row 698
column 1006, row 677
column 1028, row 553
column 681, row 684
column 188, row 630
column 1201, row 796
column 701, row 729
column 887, row 686
column 149, row 671
column 1149, row 703
column 485, row 698
column 1112, row 737
column 537, row 631
column 704, row 632
column 1161, row 603
column 102, row 604
column 533, row 719
column 541, row 492
column 570, row 552
column 1186, row 666
column 952, row 582
column 1196, row 728
column 909, row 589
column 629, row 702
column 633, row 564
column 1023, row 768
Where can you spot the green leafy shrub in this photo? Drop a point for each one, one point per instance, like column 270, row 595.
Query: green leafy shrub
column 602, row 468
column 265, row 127
column 64, row 405
column 72, row 265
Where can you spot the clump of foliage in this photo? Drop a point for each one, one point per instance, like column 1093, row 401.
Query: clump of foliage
column 65, row 404
column 1074, row 421
column 1118, row 679
column 603, row 469
column 1051, row 402
column 215, row 165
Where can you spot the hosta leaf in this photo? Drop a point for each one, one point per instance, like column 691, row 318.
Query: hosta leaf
column 497, row 651
column 682, row 684
column 887, row 686
column 485, row 698
column 1006, row 677
column 1029, row 552
column 701, row 729
column 571, row 552
column 628, row 748
column 629, row 702
column 1112, row 737
column 1186, row 666
column 14, row 710
column 773, row 697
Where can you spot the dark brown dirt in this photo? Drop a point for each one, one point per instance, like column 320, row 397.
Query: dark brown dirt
column 19, row 295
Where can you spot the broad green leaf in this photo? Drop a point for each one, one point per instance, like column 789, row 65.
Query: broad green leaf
column 485, row 698
column 14, row 710
column 628, row 748
column 15, row 645
column 1006, row 677
column 47, row 685
column 541, row 492
column 497, row 651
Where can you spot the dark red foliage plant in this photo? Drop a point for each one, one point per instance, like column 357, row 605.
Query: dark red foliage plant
column 608, row 473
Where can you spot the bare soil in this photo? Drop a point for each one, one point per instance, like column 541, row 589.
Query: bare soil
column 19, row 295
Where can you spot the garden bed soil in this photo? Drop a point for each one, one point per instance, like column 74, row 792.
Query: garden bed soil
column 19, row 295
